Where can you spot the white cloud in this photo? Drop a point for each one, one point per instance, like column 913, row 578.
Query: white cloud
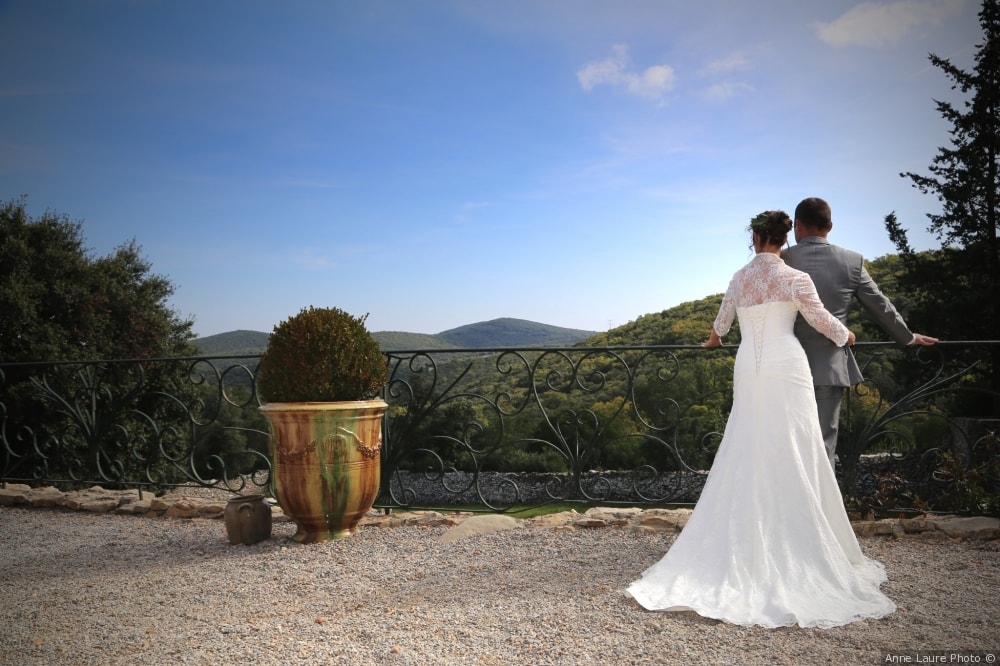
column 879, row 24
column 722, row 68
column 726, row 90
column 654, row 82
column 731, row 63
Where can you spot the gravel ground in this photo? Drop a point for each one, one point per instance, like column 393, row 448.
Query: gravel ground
column 107, row 589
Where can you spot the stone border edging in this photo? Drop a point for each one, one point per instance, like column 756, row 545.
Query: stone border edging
column 179, row 504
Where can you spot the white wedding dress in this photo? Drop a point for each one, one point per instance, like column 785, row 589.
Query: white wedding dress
column 769, row 542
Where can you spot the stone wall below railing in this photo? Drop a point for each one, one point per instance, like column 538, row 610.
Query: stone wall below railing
column 515, row 488
column 512, row 488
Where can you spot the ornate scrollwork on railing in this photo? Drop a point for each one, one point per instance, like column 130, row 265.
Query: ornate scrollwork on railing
column 526, row 426
column 145, row 423
column 500, row 428
column 901, row 441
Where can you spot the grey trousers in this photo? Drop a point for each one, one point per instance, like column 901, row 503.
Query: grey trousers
column 828, row 400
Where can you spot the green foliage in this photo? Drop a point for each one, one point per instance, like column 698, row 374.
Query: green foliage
column 892, row 492
column 938, row 295
column 230, row 438
column 60, row 303
column 966, row 487
column 686, row 324
column 890, row 273
column 532, row 458
column 957, row 288
column 391, row 341
column 444, row 437
column 966, row 176
column 57, row 302
column 321, row 355
column 250, row 343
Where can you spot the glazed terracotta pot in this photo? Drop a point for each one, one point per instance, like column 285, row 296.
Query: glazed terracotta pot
column 325, row 463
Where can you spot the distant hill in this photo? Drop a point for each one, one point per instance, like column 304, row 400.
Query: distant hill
column 505, row 332
column 685, row 324
column 250, row 343
column 399, row 341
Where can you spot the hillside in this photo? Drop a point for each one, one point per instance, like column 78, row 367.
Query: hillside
column 504, row 332
column 250, row 343
column 507, row 332
column 686, row 324
column 399, row 341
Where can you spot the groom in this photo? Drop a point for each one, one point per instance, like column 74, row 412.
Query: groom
column 839, row 275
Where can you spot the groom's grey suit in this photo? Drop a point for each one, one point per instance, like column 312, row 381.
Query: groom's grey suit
column 839, row 275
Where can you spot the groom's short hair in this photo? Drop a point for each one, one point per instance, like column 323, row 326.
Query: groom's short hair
column 814, row 213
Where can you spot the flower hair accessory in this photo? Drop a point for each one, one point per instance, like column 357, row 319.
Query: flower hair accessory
column 760, row 221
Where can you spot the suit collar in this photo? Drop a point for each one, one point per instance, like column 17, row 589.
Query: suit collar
column 818, row 240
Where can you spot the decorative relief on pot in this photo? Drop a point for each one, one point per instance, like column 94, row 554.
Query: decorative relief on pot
column 370, row 452
column 296, row 456
column 336, row 446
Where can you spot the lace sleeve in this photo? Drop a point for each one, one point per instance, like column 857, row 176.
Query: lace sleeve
column 727, row 311
column 807, row 300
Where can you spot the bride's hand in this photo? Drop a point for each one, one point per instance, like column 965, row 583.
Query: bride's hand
column 850, row 338
column 713, row 341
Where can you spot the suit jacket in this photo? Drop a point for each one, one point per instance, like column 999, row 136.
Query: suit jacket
column 839, row 275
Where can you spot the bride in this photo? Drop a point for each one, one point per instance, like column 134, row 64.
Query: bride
column 769, row 542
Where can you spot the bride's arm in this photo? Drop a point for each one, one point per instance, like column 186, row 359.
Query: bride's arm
column 727, row 312
column 811, row 307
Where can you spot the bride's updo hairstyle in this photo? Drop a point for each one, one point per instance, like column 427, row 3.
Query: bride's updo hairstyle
column 772, row 227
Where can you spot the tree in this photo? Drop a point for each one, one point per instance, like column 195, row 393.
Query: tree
column 60, row 303
column 57, row 302
column 966, row 177
column 959, row 285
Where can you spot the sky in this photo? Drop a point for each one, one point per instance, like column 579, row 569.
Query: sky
column 436, row 163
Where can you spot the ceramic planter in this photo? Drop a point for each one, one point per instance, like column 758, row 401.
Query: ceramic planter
column 247, row 519
column 325, row 463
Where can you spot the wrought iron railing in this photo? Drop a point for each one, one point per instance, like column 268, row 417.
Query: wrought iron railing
column 492, row 429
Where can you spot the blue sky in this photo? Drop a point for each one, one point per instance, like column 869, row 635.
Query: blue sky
column 436, row 163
